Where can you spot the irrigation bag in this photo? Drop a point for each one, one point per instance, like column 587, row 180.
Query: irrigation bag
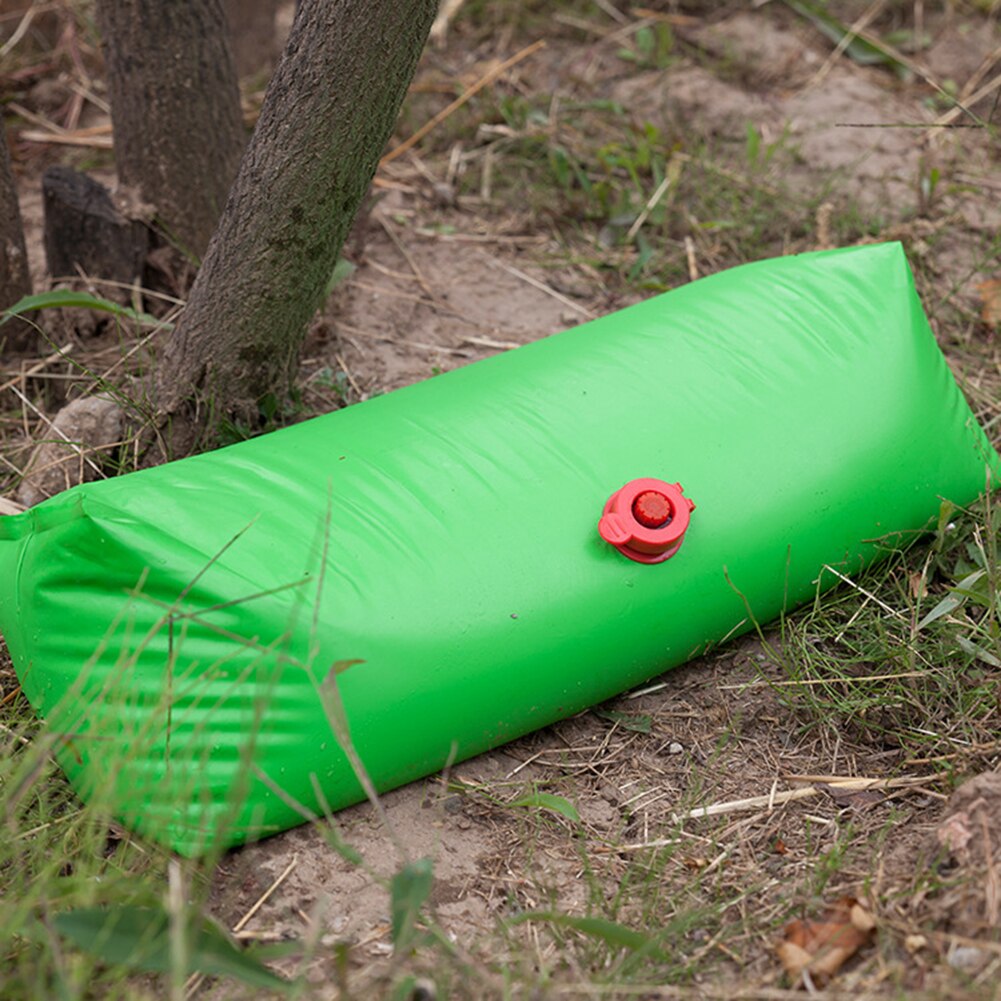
column 215, row 643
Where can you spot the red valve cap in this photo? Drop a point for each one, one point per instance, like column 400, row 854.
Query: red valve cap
column 646, row 520
column 652, row 509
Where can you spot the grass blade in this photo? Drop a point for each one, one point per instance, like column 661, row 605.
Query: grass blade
column 637, row 722
column 409, row 891
column 70, row 299
column 547, row 801
column 609, row 932
column 858, row 49
column 952, row 600
column 139, row 938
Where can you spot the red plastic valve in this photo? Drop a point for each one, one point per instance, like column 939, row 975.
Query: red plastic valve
column 646, row 520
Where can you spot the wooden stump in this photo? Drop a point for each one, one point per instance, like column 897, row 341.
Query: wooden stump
column 85, row 232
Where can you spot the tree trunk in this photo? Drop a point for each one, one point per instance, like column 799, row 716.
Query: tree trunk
column 326, row 118
column 15, row 279
column 252, row 31
column 175, row 108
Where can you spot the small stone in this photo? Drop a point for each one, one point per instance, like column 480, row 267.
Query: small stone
column 611, row 794
column 424, row 990
column 967, row 958
column 443, row 195
column 79, row 433
column 674, row 748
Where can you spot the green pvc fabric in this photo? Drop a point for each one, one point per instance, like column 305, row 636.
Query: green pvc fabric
column 186, row 630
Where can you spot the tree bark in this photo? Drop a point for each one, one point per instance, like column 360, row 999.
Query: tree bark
column 175, row 107
column 326, row 118
column 15, row 279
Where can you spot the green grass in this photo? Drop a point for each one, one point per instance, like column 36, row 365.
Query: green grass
column 908, row 656
column 55, row 855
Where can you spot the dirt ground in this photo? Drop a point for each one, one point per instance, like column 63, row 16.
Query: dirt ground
column 447, row 272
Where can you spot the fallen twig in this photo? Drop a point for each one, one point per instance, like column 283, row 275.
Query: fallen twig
column 484, row 81
column 38, row 366
column 196, row 979
column 541, row 286
column 97, row 138
column 841, row 783
column 446, row 15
